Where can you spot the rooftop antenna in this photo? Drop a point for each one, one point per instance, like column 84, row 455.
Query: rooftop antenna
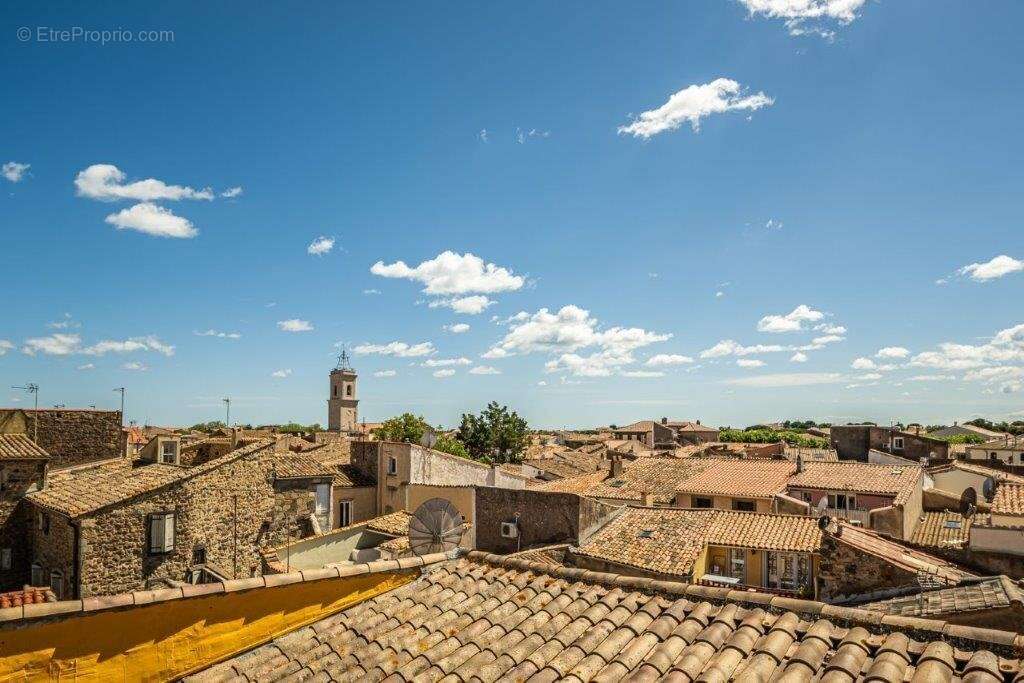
column 435, row 527
column 227, row 407
column 33, row 388
column 121, row 389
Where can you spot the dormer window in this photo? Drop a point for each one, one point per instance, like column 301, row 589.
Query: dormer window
column 169, row 452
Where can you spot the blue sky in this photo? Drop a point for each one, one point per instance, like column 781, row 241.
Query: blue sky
column 842, row 164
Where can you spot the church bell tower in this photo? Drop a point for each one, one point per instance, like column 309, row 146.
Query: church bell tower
column 342, row 404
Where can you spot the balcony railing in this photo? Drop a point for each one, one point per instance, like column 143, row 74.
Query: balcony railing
column 744, row 587
column 861, row 516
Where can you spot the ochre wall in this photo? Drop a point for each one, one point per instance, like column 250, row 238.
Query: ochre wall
column 171, row 638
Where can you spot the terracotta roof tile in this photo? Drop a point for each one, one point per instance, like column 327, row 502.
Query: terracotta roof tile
column 901, row 555
column 658, row 476
column 1009, row 499
column 861, row 477
column 396, row 523
column 486, row 618
column 746, row 478
column 943, row 529
column 85, row 491
column 20, row 447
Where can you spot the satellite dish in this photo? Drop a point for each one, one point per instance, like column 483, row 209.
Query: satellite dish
column 435, row 527
column 968, row 501
column 988, row 488
column 821, row 506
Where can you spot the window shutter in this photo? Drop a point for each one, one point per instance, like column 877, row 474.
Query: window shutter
column 168, row 532
column 156, row 533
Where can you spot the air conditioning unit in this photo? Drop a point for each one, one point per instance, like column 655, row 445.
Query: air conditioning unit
column 509, row 530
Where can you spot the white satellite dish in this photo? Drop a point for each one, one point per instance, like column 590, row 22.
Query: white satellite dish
column 435, row 527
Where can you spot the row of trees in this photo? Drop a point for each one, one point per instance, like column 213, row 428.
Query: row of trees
column 763, row 435
column 496, row 435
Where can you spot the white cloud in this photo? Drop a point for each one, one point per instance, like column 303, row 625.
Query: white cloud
column 793, row 379
column 542, row 383
column 693, row 103
column 791, row 322
column 385, row 373
column 729, row 347
column 485, row 370
column 599, row 364
column 719, row 294
column 320, row 246
column 64, row 323
column 991, row 270
column 87, row 366
column 668, row 359
column 495, row 353
column 871, row 376
column 570, row 329
column 931, row 378
column 106, row 182
column 441, row 374
column 892, row 352
column 14, row 171
column 773, row 224
column 371, row 291
column 282, row 373
column 452, row 273
column 642, row 373
column 66, row 344
column 219, row 335
column 862, row 364
column 750, row 363
column 231, row 193
column 295, row 325
column 1006, row 346
column 457, row 328
column 799, row 357
column 399, row 349
column 5, row 346
column 444, row 362
column 469, row 305
column 482, row 135
column 804, row 17
column 820, row 342
column 830, row 329
column 152, row 220
column 134, row 366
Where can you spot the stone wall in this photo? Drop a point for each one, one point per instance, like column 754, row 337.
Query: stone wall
column 292, row 503
column 53, row 548
column 204, row 450
column 852, row 442
column 73, row 437
column 18, row 476
column 544, row 518
column 845, row 571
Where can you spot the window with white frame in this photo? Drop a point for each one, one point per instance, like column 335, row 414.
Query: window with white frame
column 897, row 443
column 842, row 501
column 345, row 513
column 392, row 466
column 161, row 533
column 169, row 452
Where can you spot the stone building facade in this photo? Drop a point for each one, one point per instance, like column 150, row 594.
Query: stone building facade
column 70, row 436
column 22, row 468
column 342, row 401
column 852, row 442
column 221, row 514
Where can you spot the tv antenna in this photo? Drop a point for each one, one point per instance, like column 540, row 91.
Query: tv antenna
column 33, row 388
column 227, row 408
column 121, row 389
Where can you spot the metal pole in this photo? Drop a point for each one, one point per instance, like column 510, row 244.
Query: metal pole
column 121, row 389
column 227, row 405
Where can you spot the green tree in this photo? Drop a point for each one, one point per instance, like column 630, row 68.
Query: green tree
column 495, row 435
column 450, row 445
column 208, row 427
column 406, row 427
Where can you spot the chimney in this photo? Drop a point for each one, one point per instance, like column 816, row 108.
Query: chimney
column 664, row 420
column 615, row 469
column 647, row 499
column 799, row 462
column 698, row 421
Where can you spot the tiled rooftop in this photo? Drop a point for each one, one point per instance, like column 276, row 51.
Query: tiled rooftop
column 20, row 447
column 860, row 477
column 942, row 529
column 902, row 556
column 486, row 618
column 1009, row 499
column 88, row 490
column 974, row 468
column 658, row 476
column 744, row 478
column 989, row 593
column 669, row 540
column 396, row 523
